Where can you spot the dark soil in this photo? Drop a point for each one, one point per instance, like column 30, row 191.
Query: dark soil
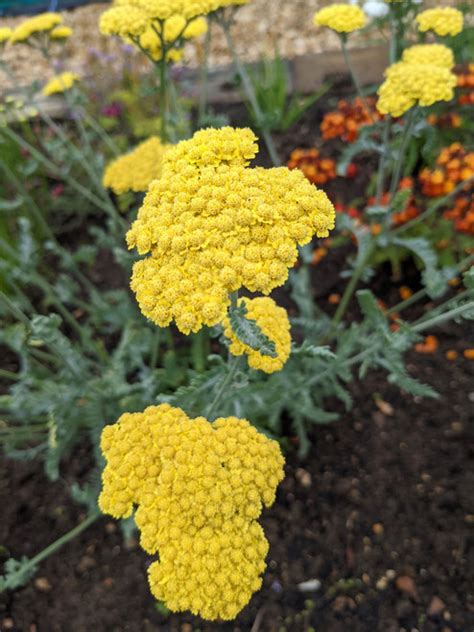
column 379, row 515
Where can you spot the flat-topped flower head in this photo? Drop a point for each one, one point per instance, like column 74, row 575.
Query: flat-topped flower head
column 199, row 488
column 435, row 54
column 134, row 171
column 442, row 21
column 42, row 23
column 61, row 83
column 175, row 32
column 211, row 224
column 408, row 84
column 343, row 18
column 273, row 322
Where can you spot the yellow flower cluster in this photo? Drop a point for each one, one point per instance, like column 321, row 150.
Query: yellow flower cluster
column 273, row 322
column 199, row 488
column 435, row 54
column 134, row 171
column 343, row 18
column 5, row 34
column 212, row 225
column 43, row 23
column 126, row 21
column 443, row 21
column 61, row 83
column 61, row 32
column 411, row 82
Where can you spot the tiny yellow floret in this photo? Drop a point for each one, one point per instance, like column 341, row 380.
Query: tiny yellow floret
column 134, row 171
column 211, row 224
column 126, row 21
column 442, row 21
column 343, row 18
column 61, row 83
column 199, row 489
column 273, row 322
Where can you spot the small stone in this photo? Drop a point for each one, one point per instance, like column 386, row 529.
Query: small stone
column 381, row 583
column 377, row 528
column 343, row 602
column 186, row 627
column 108, row 582
column 85, row 564
column 366, row 578
column 406, row 585
column 111, row 527
column 311, row 585
column 303, row 477
column 8, row 624
column 42, row 584
column 436, row 607
column 384, row 407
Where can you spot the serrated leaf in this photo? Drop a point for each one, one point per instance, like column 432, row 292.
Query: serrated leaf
column 433, row 279
column 468, row 279
column 249, row 333
column 17, row 573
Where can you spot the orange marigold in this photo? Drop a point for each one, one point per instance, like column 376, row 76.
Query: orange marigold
column 346, row 121
column 317, row 169
column 453, row 165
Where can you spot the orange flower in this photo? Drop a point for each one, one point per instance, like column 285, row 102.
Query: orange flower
column 429, row 345
column 318, row 170
column 346, row 121
column 462, row 214
column 468, row 354
column 334, row 299
column 318, row 255
column 453, row 165
column 451, row 354
column 405, row 292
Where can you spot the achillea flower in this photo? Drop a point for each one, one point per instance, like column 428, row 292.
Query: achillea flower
column 60, row 32
column 435, row 54
column 346, row 121
column 199, row 488
column 453, row 165
column 126, row 21
column 5, row 34
column 409, row 84
column 42, row 23
column 212, row 225
column 318, row 170
column 61, row 83
column 134, row 171
column 343, row 18
column 443, row 21
column 273, row 322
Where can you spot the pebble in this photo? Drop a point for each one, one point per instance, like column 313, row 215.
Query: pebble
column 311, row 585
column 42, row 584
column 436, row 606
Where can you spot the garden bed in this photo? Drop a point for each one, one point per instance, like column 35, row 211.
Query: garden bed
column 380, row 513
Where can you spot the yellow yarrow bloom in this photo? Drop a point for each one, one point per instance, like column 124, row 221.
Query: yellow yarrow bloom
column 273, row 322
column 343, row 18
column 175, row 30
column 409, row 84
column 134, row 171
column 435, row 54
column 443, row 21
column 61, row 83
column 126, row 21
column 60, row 32
column 39, row 24
column 5, row 34
column 211, row 225
column 199, row 488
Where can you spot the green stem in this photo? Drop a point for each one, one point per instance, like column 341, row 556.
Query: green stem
column 353, row 74
column 401, row 153
column 52, row 548
column 204, row 92
column 250, row 92
column 383, row 159
column 442, row 318
column 349, row 290
column 10, row 375
column 200, row 349
column 155, row 348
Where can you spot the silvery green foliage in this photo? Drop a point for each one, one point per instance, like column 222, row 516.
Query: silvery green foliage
column 248, row 332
